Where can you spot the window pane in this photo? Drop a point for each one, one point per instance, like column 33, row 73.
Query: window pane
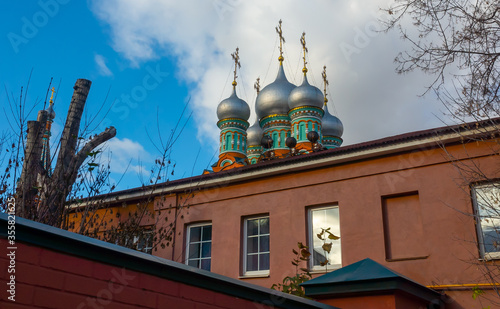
column 264, row 226
column 252, row 244
column 318, row 256
column 488, row 204
column 264, row 261
column 264, row 244
column 252, row 262
column 335, row 253
column 195, row 234
column 193, row 263
column 194, row 251
column 199, row 246
column 205, row 264
column 207, row 232
column 252, row 227
column 206, row 249
column 322, row 219
column 257, row 244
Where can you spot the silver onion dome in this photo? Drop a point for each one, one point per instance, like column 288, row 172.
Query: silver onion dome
column 50, row 112
column 233, row 107
column 305, row 95
column 254, row 134
column 331, row 125
column 273, row 99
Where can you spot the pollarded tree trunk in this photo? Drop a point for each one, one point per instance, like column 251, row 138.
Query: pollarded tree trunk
column 27, row 188
column 55, row 190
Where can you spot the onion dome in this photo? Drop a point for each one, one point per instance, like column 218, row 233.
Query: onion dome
column 50, row 111
column 305, row 95
column 233, row 107
column 331, row 125
column 273, row 99
column 254, row 134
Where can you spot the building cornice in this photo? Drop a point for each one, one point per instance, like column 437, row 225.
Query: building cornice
column 419, row 140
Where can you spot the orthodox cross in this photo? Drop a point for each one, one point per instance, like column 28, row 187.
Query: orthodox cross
column 282, row 40
column 304, row 48
column 256, row 86
column 236, row 58
column 325, row 82
column 52, row 95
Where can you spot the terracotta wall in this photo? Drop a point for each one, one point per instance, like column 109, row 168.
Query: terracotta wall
column 421, row 188
column 408, row 211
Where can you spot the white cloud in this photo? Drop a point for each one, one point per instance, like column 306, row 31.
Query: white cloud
column 371, row 100
column 127, row 156
column 101, row 65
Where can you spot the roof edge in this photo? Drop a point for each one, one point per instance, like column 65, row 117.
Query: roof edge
column 49, row 237
column 365, row 150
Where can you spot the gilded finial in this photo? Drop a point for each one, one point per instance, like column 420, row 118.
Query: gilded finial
column 52, row 95
column 282, row 40
column 325, row 82
column 256, row 85
column 304, row 48
column 236, row 58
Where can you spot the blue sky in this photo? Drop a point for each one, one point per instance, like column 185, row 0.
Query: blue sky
column 74, row 44
column 155, row 56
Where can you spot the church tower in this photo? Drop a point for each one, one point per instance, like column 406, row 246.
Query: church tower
column 305, row 103
column 254, row 135
column 233, row 114
column 332, row 126
column 45, row 158
column 272, row 106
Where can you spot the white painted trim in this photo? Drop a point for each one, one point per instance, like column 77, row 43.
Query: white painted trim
column 188, row 236
column 255, row 273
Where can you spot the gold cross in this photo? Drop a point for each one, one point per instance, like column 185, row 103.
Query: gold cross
column 282, row 40
column 304, row 48
column 52, row 95
column 236, row 58
column 325, row 82
column 256, row 86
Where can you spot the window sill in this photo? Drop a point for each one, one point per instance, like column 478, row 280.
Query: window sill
column 252, row 276
column 323, row 270
column 493, row 256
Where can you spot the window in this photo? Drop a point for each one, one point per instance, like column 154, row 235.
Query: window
column 487, row 205
column 199, row 246
column 256, row 246
column 324, row 218
column 144, row 242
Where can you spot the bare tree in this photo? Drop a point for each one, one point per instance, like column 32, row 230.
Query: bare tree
column 76, row 195
column 44, row 199
column 458, row 41
column 138, row 225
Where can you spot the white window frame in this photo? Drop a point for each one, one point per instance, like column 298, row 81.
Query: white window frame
column 147, row 235
column 245, row 238
column 479, row 227
column 188, row 236
column 311, row 236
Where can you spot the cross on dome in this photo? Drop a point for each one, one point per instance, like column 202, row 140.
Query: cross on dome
column 236, row 58
column 282, row 40
column 52, row 95
column 256, row 85
column 304, row 48
column 325, row 82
